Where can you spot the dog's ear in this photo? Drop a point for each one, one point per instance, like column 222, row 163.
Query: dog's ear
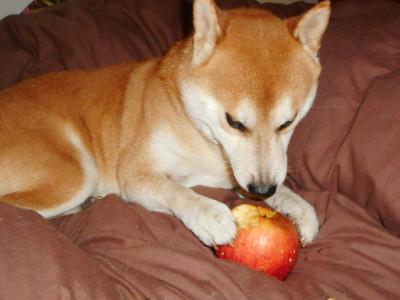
column 310, row 27
column 206, row 30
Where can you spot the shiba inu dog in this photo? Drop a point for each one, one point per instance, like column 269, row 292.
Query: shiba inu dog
column 218, row 110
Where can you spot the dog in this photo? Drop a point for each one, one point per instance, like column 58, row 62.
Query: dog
column 217, row 110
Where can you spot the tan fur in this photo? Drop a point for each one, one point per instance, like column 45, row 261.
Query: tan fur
column 83, row 133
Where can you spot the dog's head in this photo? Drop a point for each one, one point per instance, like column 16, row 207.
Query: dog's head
column 250, row 79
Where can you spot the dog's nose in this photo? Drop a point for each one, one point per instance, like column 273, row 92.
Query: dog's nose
column 261, row 190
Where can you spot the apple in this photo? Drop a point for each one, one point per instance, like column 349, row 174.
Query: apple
column 266, row 241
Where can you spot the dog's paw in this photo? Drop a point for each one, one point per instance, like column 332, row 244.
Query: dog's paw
column 299, row 211
column 307, row 224
column 212, row 222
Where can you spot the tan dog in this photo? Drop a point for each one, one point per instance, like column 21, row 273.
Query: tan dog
column 217, row 110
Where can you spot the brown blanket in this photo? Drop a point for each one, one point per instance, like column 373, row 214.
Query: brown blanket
column 343, row 158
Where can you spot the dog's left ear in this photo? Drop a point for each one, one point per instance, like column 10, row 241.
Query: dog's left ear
column 310, row 27
column 206, row 30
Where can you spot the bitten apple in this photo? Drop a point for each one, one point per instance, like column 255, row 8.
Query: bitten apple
column 266, row 241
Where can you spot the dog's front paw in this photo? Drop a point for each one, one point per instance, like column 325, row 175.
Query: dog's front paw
column 212, row 222
column 307, row 224
column 299, row 211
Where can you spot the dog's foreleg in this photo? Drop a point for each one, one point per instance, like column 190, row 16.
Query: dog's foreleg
column 299, row 210
column 211, row 221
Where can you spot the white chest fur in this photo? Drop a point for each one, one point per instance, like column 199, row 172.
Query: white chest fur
column 190, row 162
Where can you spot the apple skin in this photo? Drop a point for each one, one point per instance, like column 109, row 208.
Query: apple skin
column 266, row 241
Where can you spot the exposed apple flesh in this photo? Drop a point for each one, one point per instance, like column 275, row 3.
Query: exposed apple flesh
column 266, row 241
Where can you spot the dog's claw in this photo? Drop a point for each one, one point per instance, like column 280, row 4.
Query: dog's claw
column 215, row 246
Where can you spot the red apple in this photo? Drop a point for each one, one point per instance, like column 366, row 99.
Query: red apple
column 266, row 241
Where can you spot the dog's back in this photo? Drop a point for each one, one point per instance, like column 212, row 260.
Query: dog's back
column 47, row 127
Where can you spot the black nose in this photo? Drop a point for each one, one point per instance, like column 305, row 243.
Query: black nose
column 261, row 190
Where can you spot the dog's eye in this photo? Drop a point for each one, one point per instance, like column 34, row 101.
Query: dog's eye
column 285, row 125
column 235, row 124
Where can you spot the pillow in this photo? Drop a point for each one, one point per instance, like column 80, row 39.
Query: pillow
column 88, row 34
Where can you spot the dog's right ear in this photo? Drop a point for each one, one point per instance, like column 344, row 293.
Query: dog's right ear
column 206, row 30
